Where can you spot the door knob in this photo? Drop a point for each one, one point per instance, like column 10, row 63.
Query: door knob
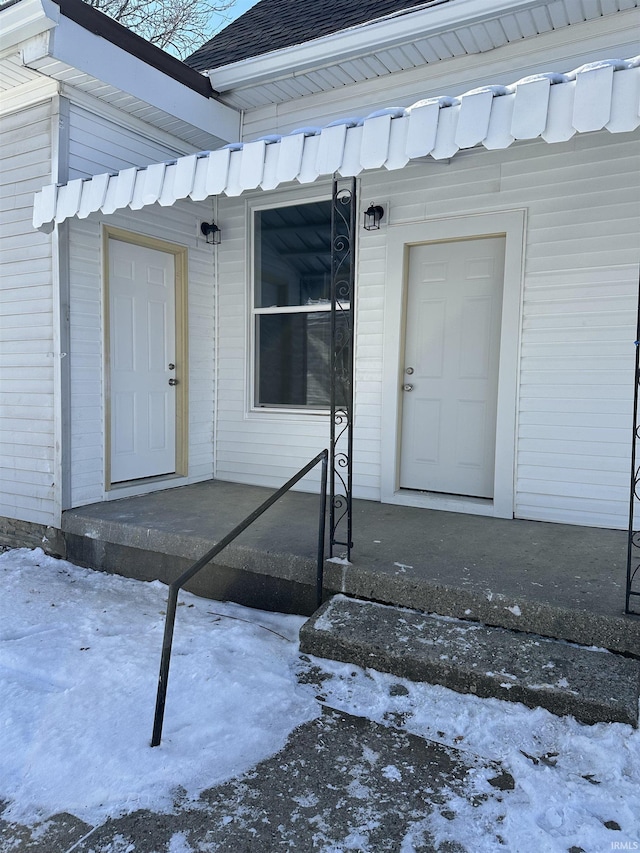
column 173, row 381
column 407, row 387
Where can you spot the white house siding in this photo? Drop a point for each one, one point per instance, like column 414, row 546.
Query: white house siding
column 580, row 302
column 96, row 145
column 27, row 415
column 579, row 308
column 578, row 324
column 580, row 288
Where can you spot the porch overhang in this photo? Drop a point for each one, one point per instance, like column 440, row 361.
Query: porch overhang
column 554, row 107
column 87, row 52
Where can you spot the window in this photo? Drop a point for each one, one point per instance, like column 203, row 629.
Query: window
column 292, row 306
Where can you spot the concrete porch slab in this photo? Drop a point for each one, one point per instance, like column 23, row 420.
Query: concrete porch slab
column 550, row 579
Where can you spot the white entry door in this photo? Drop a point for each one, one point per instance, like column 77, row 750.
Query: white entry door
column 142, row 337
column 450, row 378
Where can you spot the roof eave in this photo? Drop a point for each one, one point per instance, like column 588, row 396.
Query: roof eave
column 25, row 20
column 107, row 28
column 42, row 30
column 356, row 41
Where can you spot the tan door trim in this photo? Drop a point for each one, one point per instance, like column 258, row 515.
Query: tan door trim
column 182, row 344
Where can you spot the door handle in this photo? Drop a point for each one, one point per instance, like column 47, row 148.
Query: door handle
column 173, row 381
column 407, row 387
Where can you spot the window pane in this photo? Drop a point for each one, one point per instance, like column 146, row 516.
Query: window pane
column 294, row 360
column 292, row 250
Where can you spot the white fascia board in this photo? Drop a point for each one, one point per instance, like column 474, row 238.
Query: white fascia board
column 362, row 39
column 25, row 20
column 72, row 44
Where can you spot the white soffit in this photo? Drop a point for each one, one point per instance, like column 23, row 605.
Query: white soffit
column 600, row 96
column 405, row 40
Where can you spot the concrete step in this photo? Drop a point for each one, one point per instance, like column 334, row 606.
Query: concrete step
column 591, row 684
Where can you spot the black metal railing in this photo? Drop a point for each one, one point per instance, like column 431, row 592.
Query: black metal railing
column 632, row 598
column 343, row 235
column 177, row 585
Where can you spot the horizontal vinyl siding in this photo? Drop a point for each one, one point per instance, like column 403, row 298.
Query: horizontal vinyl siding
column 27, row 487
column 577, row 390
column 98, row 145
column 579, row 307
column 174, row 225
column 579, row 318
column 86, row 353
column 575, row 370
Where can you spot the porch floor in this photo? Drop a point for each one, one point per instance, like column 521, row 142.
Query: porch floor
column 556, row 580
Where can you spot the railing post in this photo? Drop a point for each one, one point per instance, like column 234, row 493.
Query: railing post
column 343, row 236
column 321, row 528
column 165, row 660
column 633, row 542
column 174, row 588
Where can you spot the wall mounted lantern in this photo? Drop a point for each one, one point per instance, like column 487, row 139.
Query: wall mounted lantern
column 372, row 217
column 211, row 232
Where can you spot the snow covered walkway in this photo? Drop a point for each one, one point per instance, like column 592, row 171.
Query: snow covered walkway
column 264, row 749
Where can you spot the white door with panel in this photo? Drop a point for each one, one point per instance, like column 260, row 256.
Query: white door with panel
column 451, row 360
column 142, row 353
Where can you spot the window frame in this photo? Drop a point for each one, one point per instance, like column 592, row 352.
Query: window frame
column 253, row 408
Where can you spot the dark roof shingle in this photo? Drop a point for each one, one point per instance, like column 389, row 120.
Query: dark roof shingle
column 275, row 24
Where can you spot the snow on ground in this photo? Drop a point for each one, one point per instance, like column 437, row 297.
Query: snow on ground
column 79, row 657
column 79, row 660
column 577, row 787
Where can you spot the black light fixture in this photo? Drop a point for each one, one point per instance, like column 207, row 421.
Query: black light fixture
column 372, row 217
column 211, row 232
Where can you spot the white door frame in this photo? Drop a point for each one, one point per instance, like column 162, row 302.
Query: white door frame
column 181, row 347
column 511, row 225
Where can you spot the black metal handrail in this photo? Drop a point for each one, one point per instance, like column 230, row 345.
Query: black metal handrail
column 633, row 541
column 177, row 585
